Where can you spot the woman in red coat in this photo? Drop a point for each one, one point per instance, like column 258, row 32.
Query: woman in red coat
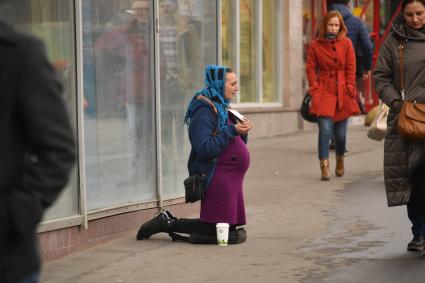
column 331, row 74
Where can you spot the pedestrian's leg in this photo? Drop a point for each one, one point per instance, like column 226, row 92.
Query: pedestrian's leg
column 416, row 217
column 340, row 131
column 30, row 279
column 325, row 125
column 360, row 91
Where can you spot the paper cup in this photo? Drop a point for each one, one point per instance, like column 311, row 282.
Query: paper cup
column 222, row 233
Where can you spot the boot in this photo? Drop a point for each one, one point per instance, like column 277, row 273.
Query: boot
column 324, row 168
column 417, row 244
column 237, row 237
column 161, row 222
column 339, row 169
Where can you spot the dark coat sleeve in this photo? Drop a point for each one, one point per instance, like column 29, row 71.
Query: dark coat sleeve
column 383, row 76
column 50, row 149
column 202, row 126
column 350, row 68
column 365, row 46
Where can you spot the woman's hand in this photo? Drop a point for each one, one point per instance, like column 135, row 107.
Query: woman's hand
column 396, row 105
column 244, row 127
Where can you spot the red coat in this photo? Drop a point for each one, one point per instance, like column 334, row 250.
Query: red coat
column 331, row 75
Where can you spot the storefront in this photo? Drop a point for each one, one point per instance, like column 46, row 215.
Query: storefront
column 129, row 68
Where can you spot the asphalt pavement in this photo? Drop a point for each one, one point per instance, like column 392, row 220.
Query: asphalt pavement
column 300, row 229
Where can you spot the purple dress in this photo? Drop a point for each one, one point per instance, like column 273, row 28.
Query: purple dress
column 223, row 202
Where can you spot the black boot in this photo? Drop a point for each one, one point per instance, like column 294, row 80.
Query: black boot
column 161, row 222
column 417, row 244
column 237, row 237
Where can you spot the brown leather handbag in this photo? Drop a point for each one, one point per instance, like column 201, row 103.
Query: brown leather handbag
column 411, row 118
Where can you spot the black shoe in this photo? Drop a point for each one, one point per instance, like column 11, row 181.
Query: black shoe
column 161, row 222
column 417, row 244
column 237, row 237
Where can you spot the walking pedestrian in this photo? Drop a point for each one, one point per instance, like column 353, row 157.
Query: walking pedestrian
column 219, row 151
column 36, row 149
column 331, row 68
column 401, row 154
column 358, row 34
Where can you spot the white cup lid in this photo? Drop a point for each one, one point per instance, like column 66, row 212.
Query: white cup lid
column 222, row 225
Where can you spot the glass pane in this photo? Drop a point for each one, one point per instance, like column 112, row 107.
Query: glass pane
column 247, row 52
column 53, row 22
column 228, row 32
column 269, row 51
column 119, row 115
column 187, row 41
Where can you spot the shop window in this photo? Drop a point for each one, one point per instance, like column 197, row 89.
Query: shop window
column 248, row 64
column 228, row 33
column 120, row 143
column 269, row 52
column 251, row 47
column 187, row 40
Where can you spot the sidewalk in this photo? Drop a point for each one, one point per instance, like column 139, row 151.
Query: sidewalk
column 287, row 208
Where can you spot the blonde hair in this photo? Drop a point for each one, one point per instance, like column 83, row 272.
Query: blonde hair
column 323, row 24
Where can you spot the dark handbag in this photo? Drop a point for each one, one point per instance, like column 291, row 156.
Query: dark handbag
column 305, row 109
column 411, row 118
column 194, row 187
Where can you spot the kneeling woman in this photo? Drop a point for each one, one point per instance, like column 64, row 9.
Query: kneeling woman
column 219, row 150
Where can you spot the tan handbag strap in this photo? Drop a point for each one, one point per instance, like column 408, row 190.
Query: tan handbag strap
column 401, row 53
column 206, row 99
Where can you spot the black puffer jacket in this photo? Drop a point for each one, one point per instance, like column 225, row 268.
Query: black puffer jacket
column 400, row 154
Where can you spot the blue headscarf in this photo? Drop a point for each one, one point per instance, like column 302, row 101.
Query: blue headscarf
column 215, row 80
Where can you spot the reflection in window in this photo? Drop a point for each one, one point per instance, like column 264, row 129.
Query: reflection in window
column 119, row 115
column 247, row 52
column 228, row 31
column 256, row 51
column 53, row 22
column 269, row 51
column 187, row 36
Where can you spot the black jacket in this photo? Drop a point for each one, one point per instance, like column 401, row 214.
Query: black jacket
column 37, row 149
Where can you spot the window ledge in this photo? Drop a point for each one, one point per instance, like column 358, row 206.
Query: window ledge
column 255, row 110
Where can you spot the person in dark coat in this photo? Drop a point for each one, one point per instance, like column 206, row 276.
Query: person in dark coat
column 401, row 155
column 37, row 150
column 330, row 69
column 359, row 35
column 218, row 151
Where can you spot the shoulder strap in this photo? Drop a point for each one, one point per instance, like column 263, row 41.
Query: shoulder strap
column 206, row 99
column 400, row 54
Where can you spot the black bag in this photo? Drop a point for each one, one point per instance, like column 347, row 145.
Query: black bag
column 194, row 187
column 305, row 109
